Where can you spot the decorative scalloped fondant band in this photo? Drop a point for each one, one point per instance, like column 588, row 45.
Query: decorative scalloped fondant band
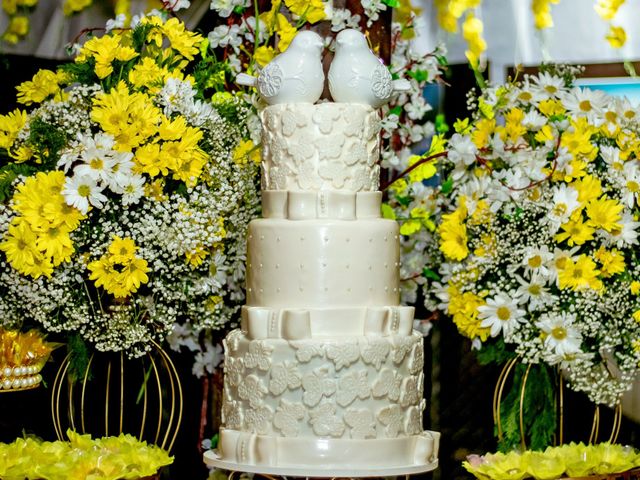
column 252, row 449
column 331, row 204
column 298, row 324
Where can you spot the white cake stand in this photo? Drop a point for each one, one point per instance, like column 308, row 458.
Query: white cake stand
column 212, row 459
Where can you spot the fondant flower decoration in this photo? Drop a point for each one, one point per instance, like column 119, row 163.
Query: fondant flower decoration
column 387, row 384
column 253, row 390
column 325, row 422
column 284, row 376
column 316, row 385
column 258, row 356
column 393, row 417
column 343, row 354
column 375, row 351
column 258, row 420
column 362, row 423
column 352, row 385
column 288, row 416
column 305, row 351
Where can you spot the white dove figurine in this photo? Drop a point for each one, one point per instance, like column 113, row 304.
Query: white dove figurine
column 294, row 76
column 357, row 75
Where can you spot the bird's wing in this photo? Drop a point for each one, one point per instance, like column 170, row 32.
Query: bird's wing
column 246, row 80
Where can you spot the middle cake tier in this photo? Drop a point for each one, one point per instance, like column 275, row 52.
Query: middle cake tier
column 315, row 263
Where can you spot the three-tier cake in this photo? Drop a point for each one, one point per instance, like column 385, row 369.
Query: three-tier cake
column 325, row 375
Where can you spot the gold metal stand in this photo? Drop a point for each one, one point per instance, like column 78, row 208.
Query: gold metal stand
column 497, row 400
column 160, row 382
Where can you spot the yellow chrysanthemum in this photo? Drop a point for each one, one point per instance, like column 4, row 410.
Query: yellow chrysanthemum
column 246, row 152
column 453, row 234
column 17, row 29
column 635, row 287
column 74, row 6
column 588, row 187
column 105, row 50
column 19, row 245
column 604, row 213
column 463, row 307
column 611, row 261
column 186, row 43
column 581, row 274
column 551, row 107
column 43, row 85
column 131, row 118
column 484, row 128
column 10, row 126
column 575, row 231
column 607, row 9
column 513, row 128
column 147, row 74
column 119, row 272
column 264, row 54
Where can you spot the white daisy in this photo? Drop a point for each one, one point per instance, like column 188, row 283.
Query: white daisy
column 547, row 85
column 626, row 235
column 630, row 184
column 96, row 164
column 565, row 202
column 584, row 102
column 626, row 110
column 501, row 314
column 559, row 260
column 535, row 261
column 534, row 120
column 534, row 292
column 81, row 192
column 611, row 155
column 121, row 171
column 560, row 336
column 133, row 189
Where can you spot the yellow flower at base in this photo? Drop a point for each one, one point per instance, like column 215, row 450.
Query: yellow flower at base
column 581, row 274
column 186, row 43
column 588, row 187
column 551, row 107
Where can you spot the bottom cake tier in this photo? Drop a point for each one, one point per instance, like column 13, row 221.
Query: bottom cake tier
column 241, row 451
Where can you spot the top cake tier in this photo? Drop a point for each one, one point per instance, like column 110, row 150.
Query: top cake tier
column 329, row 146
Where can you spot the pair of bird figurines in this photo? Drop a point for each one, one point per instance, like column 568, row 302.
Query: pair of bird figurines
column 356, row 74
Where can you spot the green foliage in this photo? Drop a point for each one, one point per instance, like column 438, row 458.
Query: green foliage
column 78, row 357
column 447, row 186
column 8, row 173
column 539, row 415
column 441, row 123
column 46, row 140
column 83, row 73
column 419, row 75
column 428, row 273
column 495, row 352
column 391, row 3
column 211, row 74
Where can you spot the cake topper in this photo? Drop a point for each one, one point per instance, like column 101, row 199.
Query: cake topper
column 294, row 76
column 357, row 75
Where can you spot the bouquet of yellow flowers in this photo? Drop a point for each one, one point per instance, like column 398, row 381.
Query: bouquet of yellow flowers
column 125, row 192
column 539, row 238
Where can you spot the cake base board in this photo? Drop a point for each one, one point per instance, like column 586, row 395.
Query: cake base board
column 212, row 459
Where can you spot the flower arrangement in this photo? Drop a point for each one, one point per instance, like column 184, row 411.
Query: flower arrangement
column 126, row 191
column 538, row 236
column 572, row 460
column 122, row 457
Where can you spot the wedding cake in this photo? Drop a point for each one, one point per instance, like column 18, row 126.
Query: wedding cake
column 325, row 374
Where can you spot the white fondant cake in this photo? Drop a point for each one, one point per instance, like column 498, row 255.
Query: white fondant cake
column 325, row 371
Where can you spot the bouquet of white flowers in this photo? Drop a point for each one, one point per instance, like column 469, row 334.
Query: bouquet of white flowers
column 125, row 194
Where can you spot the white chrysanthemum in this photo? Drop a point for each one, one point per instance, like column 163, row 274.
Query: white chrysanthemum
column 559, row 260
column 584, row 102
column 501, row 314
column 132, row 189
column 82, row 192
column 560, row 335
column 534, row 292
column 611, row 155
column 626, row 235
column 565, row 202
column 96, row 164
column 342, row 18
column 630, row 187
column 535, row 261
column 546, row 85
column 534, row 120
column 225, row 35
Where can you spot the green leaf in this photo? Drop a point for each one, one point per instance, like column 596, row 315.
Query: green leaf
column 441, row 124
column 78, row 357
column 391, row 3
column 447, row 186
column 8, row 173
column 396, row 110
column 419, row 75
column 387, row 212
column 428, row 273
column 239, row 10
